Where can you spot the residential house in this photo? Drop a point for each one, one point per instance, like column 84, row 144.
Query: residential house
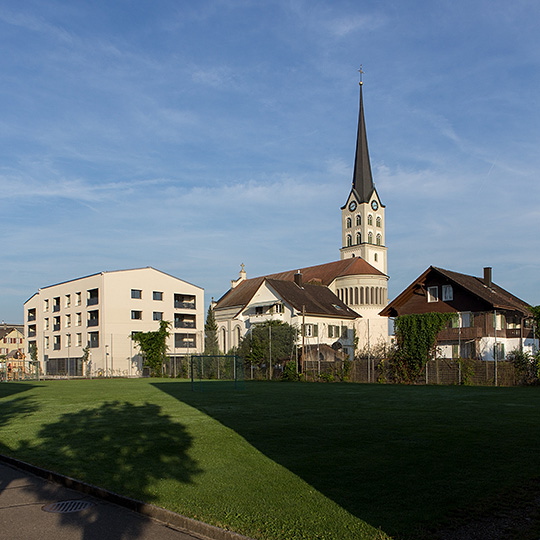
column 489, row 322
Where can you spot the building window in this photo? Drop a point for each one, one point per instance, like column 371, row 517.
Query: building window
column 78, row 298
column 46, row 305
column 433, row 294
column 184, row 301
column 157, row 295
column 358, row 238
column 56, row 343
column 370, row 220
column 93, row 297
column 447, row 293
column 379, row 239
column 157, row 315
column 466, row 319
column 93, row 340
column 46, row 324
column 278, row 308
column 310, row 330
column 349, row 223
column 46, row 342
column 68, row 300
column 370, row 238
column 358, row 220
column 32, row 314
column 79, row 340
column 375, row 258
column 378, row 222
column 93, row 318
column 68, row 340
column 349, row 240
column 56, row 324
column 56, row 304
column 136, row 293
column 68, row 321
column 136, row 315
column 78, row 319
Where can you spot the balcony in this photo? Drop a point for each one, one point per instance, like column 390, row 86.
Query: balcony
column 31, row 316
column 56, row 308
column 31, row 333
column 56, row 346
column 56, row 328
column 93, row 322
column 93, row 301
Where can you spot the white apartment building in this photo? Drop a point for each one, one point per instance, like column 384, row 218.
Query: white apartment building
column 103, row 311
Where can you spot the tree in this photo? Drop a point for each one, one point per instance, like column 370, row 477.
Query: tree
column 153, row 345
column 211, row 345
column 274, row 338
column 416, row 336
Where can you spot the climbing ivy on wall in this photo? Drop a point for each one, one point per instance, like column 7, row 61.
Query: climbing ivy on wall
column 415, row 342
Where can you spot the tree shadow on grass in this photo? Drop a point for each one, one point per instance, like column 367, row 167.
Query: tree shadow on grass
column 125, row 448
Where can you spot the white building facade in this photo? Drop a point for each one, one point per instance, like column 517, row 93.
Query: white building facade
column 102, row 311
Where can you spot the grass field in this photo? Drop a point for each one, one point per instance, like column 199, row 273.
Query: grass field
column 284, row 460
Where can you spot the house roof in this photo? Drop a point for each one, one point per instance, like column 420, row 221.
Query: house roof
column 312, row 299
column 496, row 297
column 322, row 274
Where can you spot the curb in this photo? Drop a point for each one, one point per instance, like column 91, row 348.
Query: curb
column 149, row 510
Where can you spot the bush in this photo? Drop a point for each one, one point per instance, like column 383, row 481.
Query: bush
column 526, row 366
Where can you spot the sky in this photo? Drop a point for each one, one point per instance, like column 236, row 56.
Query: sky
column 196, row 136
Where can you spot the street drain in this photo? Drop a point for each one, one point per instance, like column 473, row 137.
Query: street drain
column 67, row 507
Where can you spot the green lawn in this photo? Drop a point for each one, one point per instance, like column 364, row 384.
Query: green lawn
column 283, row 460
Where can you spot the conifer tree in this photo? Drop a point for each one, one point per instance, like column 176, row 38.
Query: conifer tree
column 211, row 345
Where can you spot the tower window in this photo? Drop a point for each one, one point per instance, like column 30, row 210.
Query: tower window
column 349, row 240
column 358, row 238
column 370, row 220
column 379, row 239
column 378, row 222
column 349, row 223
column 358, row 219
column 370, row 238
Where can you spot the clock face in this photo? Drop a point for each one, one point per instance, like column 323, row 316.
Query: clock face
column 374, row 205
column 352, row 206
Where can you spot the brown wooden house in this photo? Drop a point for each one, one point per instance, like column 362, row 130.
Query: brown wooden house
column 489, row 322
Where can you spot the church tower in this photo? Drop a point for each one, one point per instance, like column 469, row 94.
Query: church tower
column 362, row 216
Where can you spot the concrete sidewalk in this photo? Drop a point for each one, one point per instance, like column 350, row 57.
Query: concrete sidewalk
column 44, row 507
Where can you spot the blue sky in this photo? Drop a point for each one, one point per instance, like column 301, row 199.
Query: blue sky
column 196, row 136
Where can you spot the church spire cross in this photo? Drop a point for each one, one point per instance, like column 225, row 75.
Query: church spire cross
column 361, row 73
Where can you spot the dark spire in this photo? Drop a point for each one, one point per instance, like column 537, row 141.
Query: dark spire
column 362, row 179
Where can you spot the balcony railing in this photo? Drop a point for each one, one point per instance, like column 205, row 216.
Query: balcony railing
column 56, row 346
column 454, row 334
column 92, row 301
column 56, row 308
column 31, row 333
column 56, row 328
column 31, row 317
column 184, row 305
column 93, row 322
column 184, row 324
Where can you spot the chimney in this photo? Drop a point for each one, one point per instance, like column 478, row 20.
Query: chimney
column 298, row 278
column 242, row 277
column 487, row 276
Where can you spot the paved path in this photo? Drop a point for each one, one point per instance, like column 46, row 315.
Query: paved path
column 23, row 497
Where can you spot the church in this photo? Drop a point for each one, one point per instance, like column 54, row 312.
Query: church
column 335, row 304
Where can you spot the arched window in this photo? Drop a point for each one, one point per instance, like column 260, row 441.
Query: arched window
column 346, row 300
column 372, row 294
column 349, row 223
column 349, row 240
column 223, row 340
column 370, row 238
column 358, row 238
column 379, row 239
column 238, row 336
column 361, row 295
column 356, row 295
column 370, row 220
column 358, row 219
column 351, row 295
column 378, row 222
column 367, row 296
